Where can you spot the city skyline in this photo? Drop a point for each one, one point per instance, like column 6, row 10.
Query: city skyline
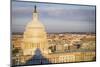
column 55, row 17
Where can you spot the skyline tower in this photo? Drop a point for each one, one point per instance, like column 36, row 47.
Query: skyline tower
column 34, row 36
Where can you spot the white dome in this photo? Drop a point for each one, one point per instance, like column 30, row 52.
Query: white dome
column 34, row 36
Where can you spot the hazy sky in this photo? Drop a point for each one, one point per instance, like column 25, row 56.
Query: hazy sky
column 55, row 17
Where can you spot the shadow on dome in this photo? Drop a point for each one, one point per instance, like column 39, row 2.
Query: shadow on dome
column 37, row 59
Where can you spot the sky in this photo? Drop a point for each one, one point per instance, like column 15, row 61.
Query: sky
column 55, row 17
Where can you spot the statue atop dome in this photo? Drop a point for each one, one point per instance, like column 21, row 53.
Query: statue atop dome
column 35, row 14
column 35, row 11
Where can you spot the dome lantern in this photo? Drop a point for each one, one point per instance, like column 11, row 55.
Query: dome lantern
column 35, row 14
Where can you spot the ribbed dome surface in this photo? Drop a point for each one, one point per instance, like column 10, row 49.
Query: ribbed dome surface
column 35, row 24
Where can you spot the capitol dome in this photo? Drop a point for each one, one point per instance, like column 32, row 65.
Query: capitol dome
column 34, row 36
